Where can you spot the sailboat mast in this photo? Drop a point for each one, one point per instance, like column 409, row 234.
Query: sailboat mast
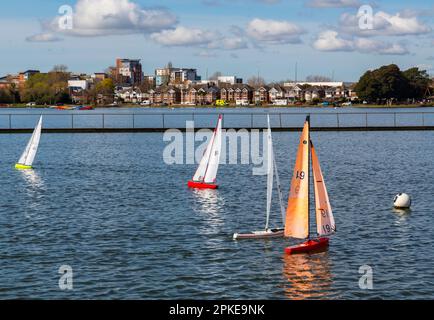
column 309, row 173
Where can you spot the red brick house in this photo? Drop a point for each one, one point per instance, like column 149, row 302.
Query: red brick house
column 165, row 94
column 236, row 92
column 261, row 96
column 200, row 95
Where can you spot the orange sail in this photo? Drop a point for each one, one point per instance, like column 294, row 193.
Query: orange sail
column 324, row 216
column 297, row 213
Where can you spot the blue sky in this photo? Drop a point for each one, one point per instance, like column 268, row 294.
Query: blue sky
column 236, row 37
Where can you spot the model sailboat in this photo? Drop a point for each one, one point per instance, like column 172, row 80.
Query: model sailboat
column 206, row 174
column 271, row 171
column 29, row 154
column 297, row 223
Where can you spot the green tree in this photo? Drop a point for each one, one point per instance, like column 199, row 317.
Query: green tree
column 387, row 82
column 419, row 82
column 47, row 88
column 5, row 96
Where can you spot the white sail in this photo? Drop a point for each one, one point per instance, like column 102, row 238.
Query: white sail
column 270, row 173
column 279, row 191
column 204, row 163
column 29, row 153
column 214, row 157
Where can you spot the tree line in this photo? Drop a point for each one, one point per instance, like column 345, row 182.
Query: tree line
column 385, row 84
column 52, row 88
column 390, row 83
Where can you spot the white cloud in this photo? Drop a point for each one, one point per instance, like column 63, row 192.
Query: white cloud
column 331, row 41
column 273, row 31
column 380, row 47
column 112, row 17
column 333, row 3
column 43, row 37
column 183, row 36
column 384, row 24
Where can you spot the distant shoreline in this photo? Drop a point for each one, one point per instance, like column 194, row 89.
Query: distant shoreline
column 131, row 106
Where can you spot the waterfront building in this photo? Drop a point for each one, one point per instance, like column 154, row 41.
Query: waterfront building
column 131, row 95
column 169, row 95
column 232, row 93
column 293, row 92
column 260, row 95
column 200, row 95
column 99, row 76
column 24, row 76
column 150, row 81
column 5, row 83
column 128, row 71
column 230, row 79
column 276, row 92
column 78, row 88
column 175, row 76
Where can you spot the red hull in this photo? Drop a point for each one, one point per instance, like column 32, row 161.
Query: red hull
column 201, row 185
column 309, row 246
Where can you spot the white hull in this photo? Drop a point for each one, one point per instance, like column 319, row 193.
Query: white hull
column 275, row 233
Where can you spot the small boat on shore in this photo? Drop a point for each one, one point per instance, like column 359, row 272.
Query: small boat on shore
column 63, row 108
column 84, row 108
column 268, row 232
column 206, row 174
column 26, row 160
column 297, row 223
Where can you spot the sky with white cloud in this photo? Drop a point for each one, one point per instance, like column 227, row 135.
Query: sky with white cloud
column 239, row 37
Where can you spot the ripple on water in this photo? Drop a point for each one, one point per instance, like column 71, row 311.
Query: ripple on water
column 130, row 228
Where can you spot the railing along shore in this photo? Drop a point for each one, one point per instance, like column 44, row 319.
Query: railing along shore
column 148, row 122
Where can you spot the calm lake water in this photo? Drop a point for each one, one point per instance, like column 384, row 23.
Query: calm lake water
column 109, row 207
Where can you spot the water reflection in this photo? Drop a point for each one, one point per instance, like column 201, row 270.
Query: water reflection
column 402, row 212
column 33, row 180
column 308, row 276
column 34, row 192
column 208, row 201
column 209, row 204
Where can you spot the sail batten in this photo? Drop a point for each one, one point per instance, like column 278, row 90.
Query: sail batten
column 31, row 149
column 324, row 214
column 297, row 213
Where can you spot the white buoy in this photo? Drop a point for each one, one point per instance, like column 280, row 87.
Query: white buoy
column 402, row 201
